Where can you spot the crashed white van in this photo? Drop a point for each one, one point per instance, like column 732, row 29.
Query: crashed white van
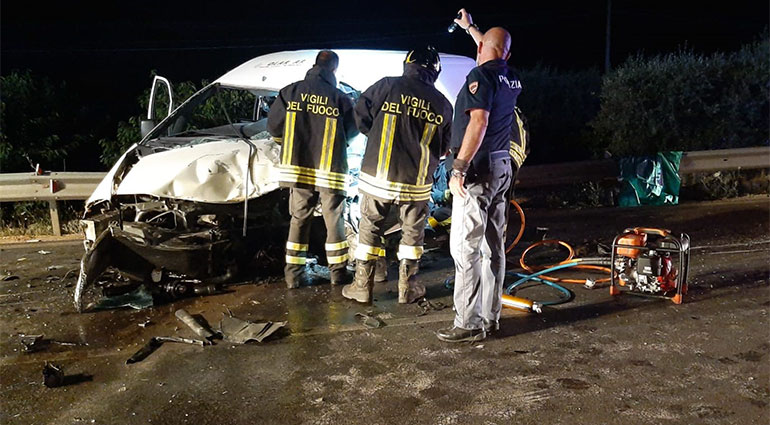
column 194, row 202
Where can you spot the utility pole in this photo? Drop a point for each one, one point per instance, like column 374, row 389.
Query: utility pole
column 607, row 65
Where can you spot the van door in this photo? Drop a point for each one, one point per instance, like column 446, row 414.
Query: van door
column 152, row 120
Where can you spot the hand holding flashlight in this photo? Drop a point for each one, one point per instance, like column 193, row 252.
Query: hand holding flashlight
column 463, row 20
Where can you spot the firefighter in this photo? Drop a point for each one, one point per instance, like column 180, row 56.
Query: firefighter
column 313, row 121
column 482, row 172
column 408, row 124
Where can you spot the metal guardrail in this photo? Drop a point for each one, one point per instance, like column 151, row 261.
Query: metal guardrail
column 56, row 186
column 692, row 162
column 51, row 187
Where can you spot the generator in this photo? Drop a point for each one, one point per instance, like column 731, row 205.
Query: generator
column 650, row 262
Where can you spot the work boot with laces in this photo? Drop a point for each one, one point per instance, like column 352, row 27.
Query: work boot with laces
column 361, row 288
column 409, row 289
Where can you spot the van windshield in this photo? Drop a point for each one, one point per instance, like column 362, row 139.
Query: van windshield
column 214, row 111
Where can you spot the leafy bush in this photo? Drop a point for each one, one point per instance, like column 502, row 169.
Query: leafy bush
column 40, row 122
column 685, row 101
column 558, row 105
column 239, row 104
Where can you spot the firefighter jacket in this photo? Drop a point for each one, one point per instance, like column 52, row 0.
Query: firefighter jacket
column 407, row 122
column 313, row 121
column 519, row 138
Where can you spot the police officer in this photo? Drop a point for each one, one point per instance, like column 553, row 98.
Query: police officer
column 481, row 175
column 408, row 124
column 313, row 121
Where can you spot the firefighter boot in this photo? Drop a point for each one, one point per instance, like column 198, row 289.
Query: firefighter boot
column 381, row 271
column 409, row 289
column 340, row 275
column 361, row 288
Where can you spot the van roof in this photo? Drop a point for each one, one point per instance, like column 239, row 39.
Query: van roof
column 358, row 68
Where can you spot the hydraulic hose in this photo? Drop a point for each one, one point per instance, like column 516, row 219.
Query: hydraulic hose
column 594, row 263
column 521, row 228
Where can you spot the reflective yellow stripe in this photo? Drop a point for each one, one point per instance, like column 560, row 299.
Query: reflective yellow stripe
column 338, row 259
column 290, row 259
column 446, row 222
column 382, row 252
column 278, row 140
column 288, row 134
column 312, row 172
column 384, row 189
column 432, row 222
column 312, row 181
column 336, row 246
column 386, row 145
column 427, row 136
column 367, row 252
column 327, row 148
column 296, row 246
column 409, row 252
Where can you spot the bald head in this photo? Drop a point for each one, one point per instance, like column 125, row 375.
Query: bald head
column 496, row 44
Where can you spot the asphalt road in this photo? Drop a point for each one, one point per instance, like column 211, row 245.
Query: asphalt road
column 596, row 360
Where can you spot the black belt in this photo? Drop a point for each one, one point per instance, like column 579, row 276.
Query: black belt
column 504, row 154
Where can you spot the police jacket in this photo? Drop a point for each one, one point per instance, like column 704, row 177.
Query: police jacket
column 494, row 87
column 408, row 123
column 313, row 121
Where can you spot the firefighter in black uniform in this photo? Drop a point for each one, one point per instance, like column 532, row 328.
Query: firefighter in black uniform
column 313, row 121
column 408, row 123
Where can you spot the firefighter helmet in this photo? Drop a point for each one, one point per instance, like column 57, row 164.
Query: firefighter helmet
column 426, row 57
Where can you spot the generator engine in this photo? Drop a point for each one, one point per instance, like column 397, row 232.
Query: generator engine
column 650, row 262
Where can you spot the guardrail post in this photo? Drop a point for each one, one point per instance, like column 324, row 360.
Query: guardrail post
column 55, row 223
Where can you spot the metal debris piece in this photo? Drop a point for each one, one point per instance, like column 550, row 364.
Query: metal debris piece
column 10, row 277
column 21, row 259
column 53, row 375
column 146, row 323
column 155, row 342
column 371, row 321
column 33, row 241
column 428, row 306
column 32, row 343
column 193, row 324
column 43, row 252
column 239, row 331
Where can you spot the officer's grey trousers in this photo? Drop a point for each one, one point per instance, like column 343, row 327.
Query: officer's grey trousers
column 302, row 203
column 477, row 244
column 374, row 213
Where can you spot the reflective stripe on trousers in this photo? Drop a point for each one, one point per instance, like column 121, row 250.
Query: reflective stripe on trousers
column 477, row 246
column 374, row 214
column 302, row 203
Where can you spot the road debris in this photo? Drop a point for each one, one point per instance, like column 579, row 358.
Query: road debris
column 239, row 331
column 428, row 306
column 10, row 277
column 371, row 321
column 21, row 259
column 193, row 324
column 43, row 252
column 53, row 375
column 34, row 343
column 155, row 342
column 146, row 323
column 137, row 299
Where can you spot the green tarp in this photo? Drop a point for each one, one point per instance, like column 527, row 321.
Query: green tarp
column 650, row 180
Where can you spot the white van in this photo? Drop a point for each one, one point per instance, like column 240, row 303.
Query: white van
column 195, row 200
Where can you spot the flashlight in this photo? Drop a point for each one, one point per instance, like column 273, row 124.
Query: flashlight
column 453, row 26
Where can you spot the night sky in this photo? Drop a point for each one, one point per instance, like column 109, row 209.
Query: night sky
column 107, row 51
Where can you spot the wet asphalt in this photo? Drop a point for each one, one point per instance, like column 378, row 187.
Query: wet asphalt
column 596, row 360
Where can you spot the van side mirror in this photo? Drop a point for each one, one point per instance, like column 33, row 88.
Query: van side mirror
column 146, row 126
